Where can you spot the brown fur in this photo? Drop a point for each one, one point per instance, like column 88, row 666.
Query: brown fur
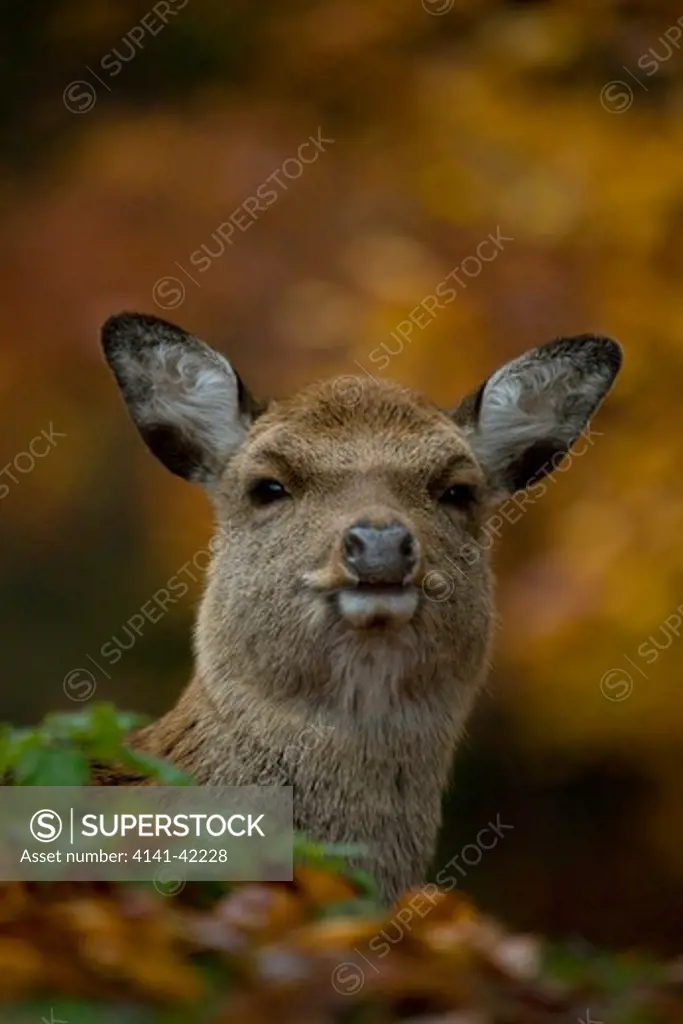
column 276, row 663
column 396, row 704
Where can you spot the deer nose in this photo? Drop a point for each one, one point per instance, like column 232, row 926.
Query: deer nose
column 380, row 554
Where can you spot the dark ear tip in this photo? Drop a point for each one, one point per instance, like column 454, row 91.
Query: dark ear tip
column 611, row 351
column 115, row 328
column 598, row 350
column 128, row 327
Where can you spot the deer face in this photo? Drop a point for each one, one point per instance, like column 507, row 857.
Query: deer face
column 350, row 566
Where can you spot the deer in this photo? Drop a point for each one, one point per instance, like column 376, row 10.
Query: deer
column 334, row 508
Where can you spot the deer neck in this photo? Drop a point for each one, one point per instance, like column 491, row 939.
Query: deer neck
column 243, row 737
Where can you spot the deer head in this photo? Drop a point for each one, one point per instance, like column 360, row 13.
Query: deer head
column 338, row 505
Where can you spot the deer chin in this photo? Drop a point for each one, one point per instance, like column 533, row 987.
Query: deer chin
column 376, row 607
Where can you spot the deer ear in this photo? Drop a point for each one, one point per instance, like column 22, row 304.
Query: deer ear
column 523, row 419
column 185, row 399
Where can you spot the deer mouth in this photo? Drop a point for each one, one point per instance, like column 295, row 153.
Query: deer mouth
column 376, row 605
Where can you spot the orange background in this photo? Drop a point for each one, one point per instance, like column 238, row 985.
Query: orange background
column 543, row 120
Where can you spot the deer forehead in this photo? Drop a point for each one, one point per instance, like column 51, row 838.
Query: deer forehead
column 385, row 428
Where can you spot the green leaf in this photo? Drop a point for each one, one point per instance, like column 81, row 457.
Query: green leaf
column 154, row 767
column 52, row 766
column 5, row 750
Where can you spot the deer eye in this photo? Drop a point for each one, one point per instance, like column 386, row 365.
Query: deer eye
column 460, row 496
column 267, row 491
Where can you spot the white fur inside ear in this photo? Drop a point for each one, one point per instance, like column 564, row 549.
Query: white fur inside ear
column 195, row 392
column 521, row 405
column 533, row 409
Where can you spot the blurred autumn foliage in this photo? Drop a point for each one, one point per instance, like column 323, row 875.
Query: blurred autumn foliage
column 451, row 121
column 321, row 949
column 294, row 953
